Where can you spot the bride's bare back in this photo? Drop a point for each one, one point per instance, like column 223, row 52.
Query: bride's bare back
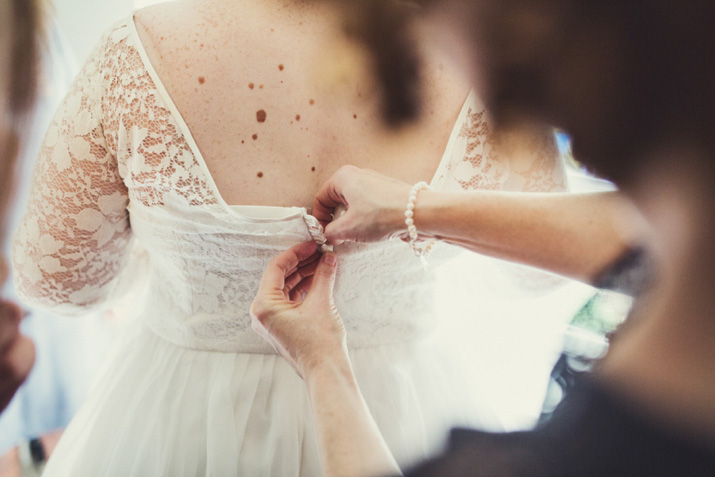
column 274, row 106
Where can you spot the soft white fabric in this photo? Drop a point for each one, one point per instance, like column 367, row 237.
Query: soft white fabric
column 121, row 191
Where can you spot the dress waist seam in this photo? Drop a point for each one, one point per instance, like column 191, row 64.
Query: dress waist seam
column 266, row 348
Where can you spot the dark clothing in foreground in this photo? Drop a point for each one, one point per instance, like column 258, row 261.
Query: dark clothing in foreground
column 592, row 433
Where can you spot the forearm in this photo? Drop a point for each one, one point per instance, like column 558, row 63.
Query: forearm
column 306, row 329
column 575, row 235
column 349, row 441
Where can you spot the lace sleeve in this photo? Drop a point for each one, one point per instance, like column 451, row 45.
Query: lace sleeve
column 75, row 233
column 524, row 161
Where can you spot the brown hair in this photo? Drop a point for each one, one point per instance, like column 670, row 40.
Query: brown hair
column 384, row 28
column 24, row 21
column 659, row 55
column 24, row 61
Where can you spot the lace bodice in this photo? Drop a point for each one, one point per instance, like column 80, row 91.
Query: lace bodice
column 119, row 172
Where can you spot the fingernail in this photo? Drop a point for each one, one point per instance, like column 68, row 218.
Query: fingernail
column 330, row 259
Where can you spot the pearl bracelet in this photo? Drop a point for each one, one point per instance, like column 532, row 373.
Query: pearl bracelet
column 410, row 222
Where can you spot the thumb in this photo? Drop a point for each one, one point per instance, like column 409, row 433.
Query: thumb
column 324, row 277
column 337, row 231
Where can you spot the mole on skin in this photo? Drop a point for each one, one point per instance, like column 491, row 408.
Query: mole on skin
column 311, row 102
column 261, row 116
column 251, row 85
column 260, row 174
column 255, row 136
column 297, row 117
column 202, row 80
column 312, row 169
column 280, row 67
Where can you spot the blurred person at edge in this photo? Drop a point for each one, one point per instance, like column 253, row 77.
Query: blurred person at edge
column 19, row 28
column 633, row 83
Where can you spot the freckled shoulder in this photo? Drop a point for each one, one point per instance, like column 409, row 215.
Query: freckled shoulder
column 269, row 105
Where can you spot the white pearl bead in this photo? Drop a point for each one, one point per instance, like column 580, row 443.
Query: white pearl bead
column 409, row 221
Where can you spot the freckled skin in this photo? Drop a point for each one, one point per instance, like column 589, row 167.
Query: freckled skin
column 245, row 77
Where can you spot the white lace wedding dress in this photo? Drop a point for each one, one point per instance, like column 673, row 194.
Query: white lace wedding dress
column 191, row 389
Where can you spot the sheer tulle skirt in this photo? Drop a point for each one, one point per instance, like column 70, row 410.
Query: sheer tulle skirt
column 160, row 409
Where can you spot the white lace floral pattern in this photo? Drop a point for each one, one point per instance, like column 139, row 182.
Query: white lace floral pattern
column 117, row 154
column 481, row 167
column 73, row 239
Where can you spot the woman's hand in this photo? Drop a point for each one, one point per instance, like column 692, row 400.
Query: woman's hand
column 294, row 309
column 375, row 206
